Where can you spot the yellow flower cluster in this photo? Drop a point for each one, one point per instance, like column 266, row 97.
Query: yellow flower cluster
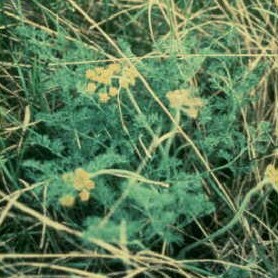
column 104, row 97
column 128, row 77
column 80, row 180
column 113, row 91
column 67, row 200
column 183, row 100
column 104, row 75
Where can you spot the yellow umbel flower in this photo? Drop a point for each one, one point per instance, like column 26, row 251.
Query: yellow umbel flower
column 81, row 173
column 124, row 83
column 103, row 97
column 183, row 99
column 132, row 73
column 90, row 74
column 99, row 74
column 114, row 68
column 89, row 184
column 82, row 180
column 67, row 200
column 105, row 77
column 128, row 77
column 113, row 91
column 177, row 98
column 98, row 70
column 84, row 195
column 192, row 112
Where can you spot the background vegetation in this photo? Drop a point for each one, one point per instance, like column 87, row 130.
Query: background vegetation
column 138, row 138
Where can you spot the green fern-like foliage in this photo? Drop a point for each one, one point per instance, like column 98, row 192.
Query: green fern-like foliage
column 75, row 130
